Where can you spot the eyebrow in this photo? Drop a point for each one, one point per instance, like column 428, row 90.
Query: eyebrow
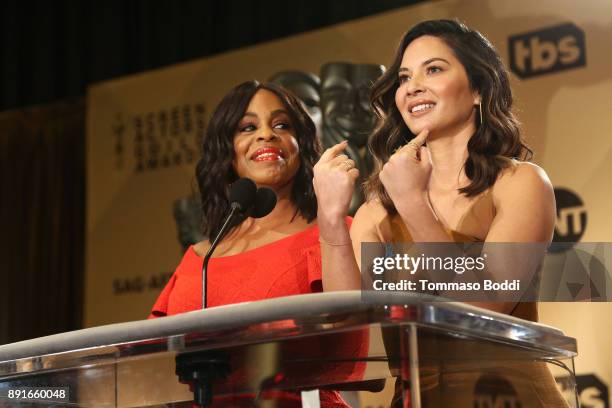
column 425, row 63
column 273, row 114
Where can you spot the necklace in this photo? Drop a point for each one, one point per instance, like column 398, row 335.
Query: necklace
column 433, row 209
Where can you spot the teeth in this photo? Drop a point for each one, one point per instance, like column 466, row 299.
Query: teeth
column 421, row 107
column 266, row 156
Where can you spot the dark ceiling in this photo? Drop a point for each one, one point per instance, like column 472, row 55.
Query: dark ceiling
column 53, row 49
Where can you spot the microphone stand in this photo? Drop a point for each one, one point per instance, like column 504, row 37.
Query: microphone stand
column 201, row 369
column 235, row 208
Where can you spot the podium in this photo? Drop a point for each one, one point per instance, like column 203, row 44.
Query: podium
column 284, row 351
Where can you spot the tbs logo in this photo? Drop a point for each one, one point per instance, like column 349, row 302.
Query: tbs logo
column 545, row 51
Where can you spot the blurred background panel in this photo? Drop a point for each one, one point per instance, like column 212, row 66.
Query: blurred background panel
column 103, row 105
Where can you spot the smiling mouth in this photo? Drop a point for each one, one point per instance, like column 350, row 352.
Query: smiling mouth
column 267, row 154
column 421, row 109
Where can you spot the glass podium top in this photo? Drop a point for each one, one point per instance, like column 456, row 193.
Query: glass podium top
column 277, row 320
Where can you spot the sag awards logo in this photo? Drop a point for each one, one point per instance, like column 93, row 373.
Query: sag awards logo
column 156, row 140
column 546, row 51
column 571, row 216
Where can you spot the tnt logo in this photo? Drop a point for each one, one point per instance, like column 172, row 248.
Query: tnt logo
column 571, row 216
column 545, row 51
column 492, row 391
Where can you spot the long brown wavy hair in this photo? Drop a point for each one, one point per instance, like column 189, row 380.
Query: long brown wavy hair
column 215, row 170
column 497, row 139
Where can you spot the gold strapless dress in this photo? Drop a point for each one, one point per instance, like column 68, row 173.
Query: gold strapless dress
column 469, row 372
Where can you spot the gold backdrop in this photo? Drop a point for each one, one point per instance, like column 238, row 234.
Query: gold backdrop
column 143, row 132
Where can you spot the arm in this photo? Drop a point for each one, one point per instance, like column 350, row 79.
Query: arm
column 334, row 182
column 417, row 215
column 341, row 266
column 525, row 206
column 406, row 177
column 525, row 212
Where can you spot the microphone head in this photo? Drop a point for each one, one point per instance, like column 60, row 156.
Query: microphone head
column 265, row 201
column 242, row 192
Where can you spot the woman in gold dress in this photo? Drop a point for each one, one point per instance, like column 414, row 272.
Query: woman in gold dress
column 451, row 167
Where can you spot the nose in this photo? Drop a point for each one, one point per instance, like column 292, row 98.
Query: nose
column 415, row 86
column 266, row 133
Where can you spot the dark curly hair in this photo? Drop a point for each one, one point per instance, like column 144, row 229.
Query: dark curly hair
column 496, row 140
column 215, row 171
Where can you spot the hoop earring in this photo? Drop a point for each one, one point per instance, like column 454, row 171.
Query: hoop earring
column 480, row 112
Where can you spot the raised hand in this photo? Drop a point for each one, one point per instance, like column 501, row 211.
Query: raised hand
column 406, row 175
column 334, row 182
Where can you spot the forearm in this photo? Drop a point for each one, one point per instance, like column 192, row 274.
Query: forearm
column 420, row 220
column 339, row 267
column 423, row 226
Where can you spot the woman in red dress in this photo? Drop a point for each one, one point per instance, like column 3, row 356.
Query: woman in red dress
column 258, row 131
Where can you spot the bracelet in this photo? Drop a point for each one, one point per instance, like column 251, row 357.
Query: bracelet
column 338, row 244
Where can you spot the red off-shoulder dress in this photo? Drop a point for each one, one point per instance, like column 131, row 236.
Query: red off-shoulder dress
column 289, row 266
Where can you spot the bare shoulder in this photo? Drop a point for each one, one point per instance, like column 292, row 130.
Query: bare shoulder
column 524, row 203
column 371, row 212
column 369, row 221
column 201, row 247
column 522, row 178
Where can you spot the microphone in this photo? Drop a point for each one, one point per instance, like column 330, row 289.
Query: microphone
column 242, row 196
column 265, row 201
